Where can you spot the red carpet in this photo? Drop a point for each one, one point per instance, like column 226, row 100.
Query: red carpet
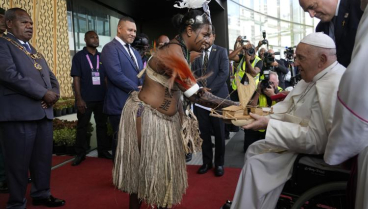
column 89, row 186
column 56, row 160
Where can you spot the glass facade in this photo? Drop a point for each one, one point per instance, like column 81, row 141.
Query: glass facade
column 284, row 21
column 83, row 16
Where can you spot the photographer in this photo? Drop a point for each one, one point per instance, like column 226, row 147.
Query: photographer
column 261, row 53
column 248, row 62
column 141, row 44
column 265, row 90
column 279, row 68
column 293, row 76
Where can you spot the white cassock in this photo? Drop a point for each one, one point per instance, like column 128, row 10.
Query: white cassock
column 349, row 134
column 300, row 124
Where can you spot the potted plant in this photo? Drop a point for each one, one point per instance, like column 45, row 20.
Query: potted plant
column 57, row 109
column 70, row 139
column 70, row 103
column 59, row 142
column 63, row 105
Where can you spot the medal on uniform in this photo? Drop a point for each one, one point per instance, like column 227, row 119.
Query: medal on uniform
column 37, row 66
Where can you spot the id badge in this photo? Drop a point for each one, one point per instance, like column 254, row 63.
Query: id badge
column 96, row 78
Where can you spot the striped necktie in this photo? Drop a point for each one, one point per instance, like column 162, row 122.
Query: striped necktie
column 131, row 56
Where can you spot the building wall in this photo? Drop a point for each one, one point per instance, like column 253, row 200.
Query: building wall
column 50, row 35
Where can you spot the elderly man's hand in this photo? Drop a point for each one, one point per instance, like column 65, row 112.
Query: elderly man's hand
column 269, row 92
column 260, row 122
column 50, row 97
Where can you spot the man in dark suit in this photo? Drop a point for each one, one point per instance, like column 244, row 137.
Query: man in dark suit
column 3, row 183
column 339, row 20
column 89, row 90
column 122, row 64
column 28, row 90
column 215, row 63
column 280, row 69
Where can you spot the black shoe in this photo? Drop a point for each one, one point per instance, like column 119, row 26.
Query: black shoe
column 188, row 157
column 227, row 205
column 105, row 154
column 4, row 187
column 219, row 171
column 204, row 168
column 49, row 202
column 227, row 136
column 78, row 159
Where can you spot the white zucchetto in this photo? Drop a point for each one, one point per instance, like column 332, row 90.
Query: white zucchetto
column 319, row 40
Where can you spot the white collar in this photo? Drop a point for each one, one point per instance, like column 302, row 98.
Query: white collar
column 337, row 8
column 120, row 41
column 323, row 72
column 209, row 49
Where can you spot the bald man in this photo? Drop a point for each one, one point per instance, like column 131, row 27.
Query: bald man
column 162, row 40
column 339, row 20
column 300, row 124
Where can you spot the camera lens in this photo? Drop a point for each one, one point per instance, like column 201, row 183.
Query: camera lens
column 250, row 51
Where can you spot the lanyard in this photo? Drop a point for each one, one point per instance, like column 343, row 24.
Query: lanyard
column 90, row 63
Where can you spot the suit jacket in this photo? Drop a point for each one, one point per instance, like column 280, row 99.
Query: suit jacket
column 22, row 86
column 121, row 76
column 218, row 65
column 346, row 25
column 281, row 71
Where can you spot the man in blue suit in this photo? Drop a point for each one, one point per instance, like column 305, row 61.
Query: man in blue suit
column 339, row 20
column 215, row 63
column 28, row 89
column 122, row 64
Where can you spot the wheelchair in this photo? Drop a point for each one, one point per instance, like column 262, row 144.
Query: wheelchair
column 314, row 184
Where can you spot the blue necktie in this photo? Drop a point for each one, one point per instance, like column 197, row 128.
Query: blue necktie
column 27, row 47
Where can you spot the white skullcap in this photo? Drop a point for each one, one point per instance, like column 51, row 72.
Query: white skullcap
column 319, row 40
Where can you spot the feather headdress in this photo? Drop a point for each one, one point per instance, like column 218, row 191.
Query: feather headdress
column 194, row 4
column 176, row 67
column 191, row 4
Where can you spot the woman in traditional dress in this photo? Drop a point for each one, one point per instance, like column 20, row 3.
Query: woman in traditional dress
column 150, row 155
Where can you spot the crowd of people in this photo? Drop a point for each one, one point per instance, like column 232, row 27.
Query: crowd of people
column 158, row 99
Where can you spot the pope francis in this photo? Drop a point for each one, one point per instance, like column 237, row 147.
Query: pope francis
column 300, row 124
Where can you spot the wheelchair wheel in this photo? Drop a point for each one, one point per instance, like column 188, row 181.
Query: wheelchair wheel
column 330, row 195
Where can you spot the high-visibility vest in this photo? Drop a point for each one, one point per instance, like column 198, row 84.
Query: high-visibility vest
column 240, row 71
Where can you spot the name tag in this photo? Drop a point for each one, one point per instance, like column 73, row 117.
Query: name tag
column 96, row 78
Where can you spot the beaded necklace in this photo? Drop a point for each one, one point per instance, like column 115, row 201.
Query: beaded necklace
column 186, row 53
column 32, row 56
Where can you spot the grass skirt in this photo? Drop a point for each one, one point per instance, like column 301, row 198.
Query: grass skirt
column 158, row 173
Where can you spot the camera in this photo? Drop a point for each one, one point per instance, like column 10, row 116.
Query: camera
column 289, row 53
column 140, row 42
column 269, row 59
column 251, row 51
column 264, row 41
column 265, row 83
column 244, row 39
